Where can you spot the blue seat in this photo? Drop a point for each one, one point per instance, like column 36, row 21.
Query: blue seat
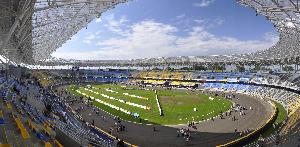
column 42, row 137
column 2, row 121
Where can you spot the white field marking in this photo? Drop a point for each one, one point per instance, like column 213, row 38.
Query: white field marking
column 113, row 106
column 119, row 100
column 135, row 96
column 158, row 105
column 109, row 90
column 105, row 103
column 127, row 94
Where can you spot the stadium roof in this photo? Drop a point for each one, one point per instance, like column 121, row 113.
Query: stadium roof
column 30, row 30
column 285, row 16
column 33, row 30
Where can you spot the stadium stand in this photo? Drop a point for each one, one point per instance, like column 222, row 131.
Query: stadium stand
column 41, row 127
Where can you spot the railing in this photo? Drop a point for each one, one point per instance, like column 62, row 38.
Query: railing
column 113, row 137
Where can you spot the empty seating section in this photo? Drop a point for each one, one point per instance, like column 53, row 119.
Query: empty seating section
column 3, row 137
column 48, row 144
column 180, row 76
column 8, row 105
column 21, row 127
column 106, row 76
column 176, row 75
column 57, row 143
column 1, row 118
column 155, row 82
column 145, row 74
column 135, row 81
column 291, row 123
column 165, row 75
column 294, row 105
column 24, row 118
column 180, row 83
column 288, row 99
column 34, row 125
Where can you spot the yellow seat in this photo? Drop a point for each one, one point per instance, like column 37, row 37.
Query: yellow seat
column 24, row 133
column 1, row 114
column 5, row 145
column 8, row 105
column 57, row 143
column 48, row 144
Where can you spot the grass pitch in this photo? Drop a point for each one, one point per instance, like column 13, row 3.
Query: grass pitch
column 282, row 115
column 177, row 105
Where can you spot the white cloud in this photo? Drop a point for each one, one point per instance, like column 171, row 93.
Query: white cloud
column 90, row 38
column 215, row 22
column 211, row 23
column 219, row 21
column 181, row 16
column 115, row 25
column 199, row 21
column 153, row 39
column 203, row 3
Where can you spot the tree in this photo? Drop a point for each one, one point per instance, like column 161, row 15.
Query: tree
column 199, row 67
column 169, row 68
column 240, row 68
column 155, row 69
column 185, row 68
column 288, row 68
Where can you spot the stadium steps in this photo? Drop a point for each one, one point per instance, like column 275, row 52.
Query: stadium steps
column 13, row 134
column 16, row 139
column 3, row 136
column 291, row 123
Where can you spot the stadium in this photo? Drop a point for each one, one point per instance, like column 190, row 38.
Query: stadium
column 243, row 99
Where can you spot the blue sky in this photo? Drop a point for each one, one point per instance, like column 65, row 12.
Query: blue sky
column 156, row 28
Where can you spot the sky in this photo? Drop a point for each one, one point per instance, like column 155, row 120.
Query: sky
column 167, row 28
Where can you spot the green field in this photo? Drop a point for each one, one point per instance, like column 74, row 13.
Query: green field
column 282, row 115
column 177, row 105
